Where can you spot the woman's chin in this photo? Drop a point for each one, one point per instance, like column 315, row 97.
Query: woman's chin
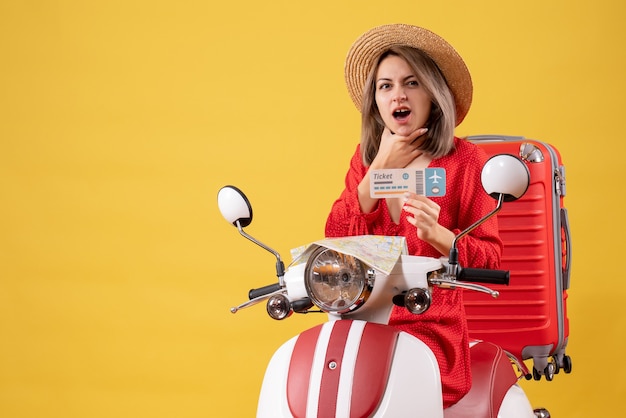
column 404, row 130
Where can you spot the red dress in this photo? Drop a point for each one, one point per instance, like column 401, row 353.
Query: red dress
column 443, row 327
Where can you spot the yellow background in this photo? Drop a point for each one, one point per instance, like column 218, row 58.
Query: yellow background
column 120, row 120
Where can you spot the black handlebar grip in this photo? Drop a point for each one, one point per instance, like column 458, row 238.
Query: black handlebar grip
column 484, row 276
column 262, row 291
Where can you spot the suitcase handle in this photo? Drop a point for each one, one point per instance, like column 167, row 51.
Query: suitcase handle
column 568, row 249
column 493, row 138
column 484, row 276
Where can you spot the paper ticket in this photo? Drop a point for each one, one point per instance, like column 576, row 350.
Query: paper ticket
column 395, row 182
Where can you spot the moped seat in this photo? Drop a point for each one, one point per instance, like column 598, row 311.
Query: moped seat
column 492, row 377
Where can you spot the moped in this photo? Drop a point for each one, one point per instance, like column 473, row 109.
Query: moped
column 355, row 365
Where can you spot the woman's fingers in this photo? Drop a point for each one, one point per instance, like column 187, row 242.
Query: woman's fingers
column 424, row 212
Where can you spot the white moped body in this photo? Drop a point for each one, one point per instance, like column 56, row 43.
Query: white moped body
column 360, row 367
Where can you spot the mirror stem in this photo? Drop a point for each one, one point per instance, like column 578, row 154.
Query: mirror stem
column 280, row 266
column 453, row 260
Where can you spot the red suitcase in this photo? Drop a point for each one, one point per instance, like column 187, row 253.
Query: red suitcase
column 529, row 319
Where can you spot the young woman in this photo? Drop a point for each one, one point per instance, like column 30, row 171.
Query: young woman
column 413, row 89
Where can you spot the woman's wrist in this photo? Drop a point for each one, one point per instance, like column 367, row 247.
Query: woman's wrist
column 440, row 238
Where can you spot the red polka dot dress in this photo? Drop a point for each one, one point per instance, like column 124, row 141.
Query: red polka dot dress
column 443, row 327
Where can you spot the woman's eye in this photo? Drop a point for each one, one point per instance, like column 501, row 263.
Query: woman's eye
column 412, row 83
column 383, row 86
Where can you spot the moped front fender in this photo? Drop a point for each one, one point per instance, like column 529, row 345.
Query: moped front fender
column 352, row 368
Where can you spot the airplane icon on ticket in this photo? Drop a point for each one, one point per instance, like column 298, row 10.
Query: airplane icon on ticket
column 435, row 178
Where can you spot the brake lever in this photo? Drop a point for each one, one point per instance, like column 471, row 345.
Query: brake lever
column 254, row 301
column 446, row 283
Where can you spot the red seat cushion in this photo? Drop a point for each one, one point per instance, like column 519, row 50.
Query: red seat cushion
column 492, row 376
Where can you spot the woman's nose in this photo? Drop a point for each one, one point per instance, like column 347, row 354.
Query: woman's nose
column 399, row 95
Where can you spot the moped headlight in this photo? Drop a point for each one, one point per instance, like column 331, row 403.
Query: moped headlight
column 337, row 282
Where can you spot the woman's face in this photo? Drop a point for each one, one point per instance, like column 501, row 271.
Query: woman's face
column 403, row 103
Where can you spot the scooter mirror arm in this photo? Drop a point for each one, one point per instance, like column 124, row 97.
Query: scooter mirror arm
column 453, row 260
column 280, row 266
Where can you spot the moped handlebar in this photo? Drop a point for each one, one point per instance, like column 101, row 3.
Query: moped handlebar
column 262, row 291
column 484, row 276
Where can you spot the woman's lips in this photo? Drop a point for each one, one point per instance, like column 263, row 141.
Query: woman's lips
column 401, row 115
